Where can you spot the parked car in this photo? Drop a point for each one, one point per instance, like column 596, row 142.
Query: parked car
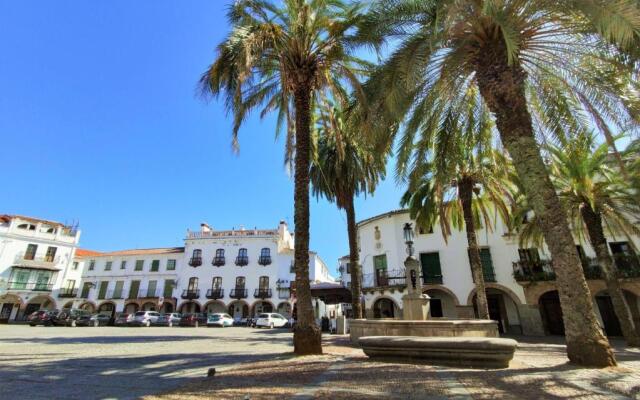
column 271, row 320
column 219, row 319
column 69, row 316
column 168, row 319
column 123, row 319
column 93, row 320
column 145, row 318
column 195, row 319
column 42, row 317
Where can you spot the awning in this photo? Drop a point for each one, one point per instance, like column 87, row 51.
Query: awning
column 331, row 293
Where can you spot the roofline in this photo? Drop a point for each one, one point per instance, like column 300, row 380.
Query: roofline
column 132, row 252
column 380, row 216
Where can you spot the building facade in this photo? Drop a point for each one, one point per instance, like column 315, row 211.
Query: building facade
column 36, row 265
column 520, row 283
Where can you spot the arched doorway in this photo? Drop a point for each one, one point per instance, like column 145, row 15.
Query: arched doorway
column 551, row 313
column 238, row 310
column 441, row 304
column 384, row 308
column 10, row 307
column 503, row 309
column 107, row 308
column 284, row 309
column 189, row 307
column 261, row 307
column 149, row 306
column 39, row 303
column 88, row 306
column 214, row 307
column 131, row 308
column 167, row 307
column 68, row 304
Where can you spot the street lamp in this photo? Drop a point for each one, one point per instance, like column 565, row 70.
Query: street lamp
column 408, row 238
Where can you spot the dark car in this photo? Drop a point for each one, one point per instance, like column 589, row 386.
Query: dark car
column 168, row 319
column 195, row 319
column 93, row 320
column 123, row 319
column 42, row 317
column 70, row 316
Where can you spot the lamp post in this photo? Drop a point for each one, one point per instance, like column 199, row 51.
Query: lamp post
column 415, row 304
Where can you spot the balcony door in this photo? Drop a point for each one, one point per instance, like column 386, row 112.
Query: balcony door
column 21, row 278
column 216, row 284
column 431, row 270
column 151, row 289
column 193, row 284
column 240, row 282
column 380, row 265
column 42, row 280
column 263, row 283
column 133, row 289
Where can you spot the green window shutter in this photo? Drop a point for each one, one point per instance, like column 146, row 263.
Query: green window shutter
column 380, row 262
column 155, row 265
column 103, row 289
column 139, row 265
column 487, row 265
column 85, row 290
column 117, row 292
column 431, row 269
column 133, row 289
column 169, row 284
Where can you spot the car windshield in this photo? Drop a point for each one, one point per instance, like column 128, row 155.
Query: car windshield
column 140, row 313
column 215, row 316
column 263, row 316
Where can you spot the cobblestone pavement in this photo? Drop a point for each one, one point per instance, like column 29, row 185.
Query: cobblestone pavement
column 171, row 363
column 122, row 363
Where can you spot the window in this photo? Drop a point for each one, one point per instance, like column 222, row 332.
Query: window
column 108, row 265
column 139, row 265
column 70, row 284
column 155, row 265
column 220, row 253
column 123, row 264
column 29, row 227
column 240, row 281
column 171, row 265
column 292, row 267
column 51, row 254
column 151, row 288
column 196, row 258
column 117, row 292
column 85, row 289
column 265, row 256
column 75, row 266
column 133, row 289
column 263, row 283
column 431, row 269
column 348, row 268
column 216, row 283
column 529, row 255
column 487, row 265
column 30, row 254
column 193, row 284
column 102, row 293
column 243, row 258
column 624, row 256
column 380, row 266
column 169, row 284
column 92, row 265
column 219, row 259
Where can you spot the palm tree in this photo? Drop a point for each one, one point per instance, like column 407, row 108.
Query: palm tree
column 540, row 67
column 595, row 196
column 287, row 57
column 455, row 184
column 343, row 168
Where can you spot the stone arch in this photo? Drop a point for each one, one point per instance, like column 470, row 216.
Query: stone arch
column 238, row 309
column 88, row 305
column 191, row 306
column 489, row 285
column 214, row 306
column 385, row 307
column 285, row 309
column 442, row 288
column 131, row 307
column 68, row 304
column 443, row 302
column 149, row 306
column 107, row 308
column 606, row 313
column 39, row 302
column 261, row 306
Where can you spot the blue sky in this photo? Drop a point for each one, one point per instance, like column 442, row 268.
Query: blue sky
column 100, row 123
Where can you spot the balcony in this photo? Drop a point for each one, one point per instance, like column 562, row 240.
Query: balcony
column 238, row 293
column 628, row 265
column 264, row 260
column 262, row 293
column 190, row 294
column 195, row 261
column 432, row 279
column 489, row 276
column 68, row 293
column 149, row 293
column 241, row 261
column 28, row 260
column 30, row 286
column 218, row 261
column 388, row 278
column 533, row 271
column 215, row 294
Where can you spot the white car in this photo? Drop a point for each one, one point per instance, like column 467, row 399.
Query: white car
column 145, row 318
column 219, row 319
column 271, row 320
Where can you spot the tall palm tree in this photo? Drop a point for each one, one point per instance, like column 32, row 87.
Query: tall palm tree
column 596, row 197
column 540, row 66
column 342, row 168
column 456, row 183
column 287, row 56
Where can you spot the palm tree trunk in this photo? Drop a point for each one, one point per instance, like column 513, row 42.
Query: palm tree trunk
column 502, row 87
column 356, row 284
column 307, row 337
column 593, row 222
column 466, row 194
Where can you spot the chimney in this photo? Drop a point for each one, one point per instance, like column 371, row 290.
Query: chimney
column 204, row 227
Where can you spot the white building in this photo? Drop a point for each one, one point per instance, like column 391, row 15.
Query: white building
column 520, row 282
column 36, row 267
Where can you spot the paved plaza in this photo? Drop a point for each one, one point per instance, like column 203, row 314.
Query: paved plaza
column 171, row 363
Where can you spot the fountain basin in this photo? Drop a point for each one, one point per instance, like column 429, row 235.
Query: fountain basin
column 431, row 327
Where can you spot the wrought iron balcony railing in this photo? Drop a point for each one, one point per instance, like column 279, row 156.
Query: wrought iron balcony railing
column 241, row 261
column 195, row 261
column 30, row 286
column 262, row 293
column 394, row 277
column 218, row 261
column 191, row 294
column 68, row 293
column 238, row 293
column 530, row 271
column 215, row 294
column 264, row 260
